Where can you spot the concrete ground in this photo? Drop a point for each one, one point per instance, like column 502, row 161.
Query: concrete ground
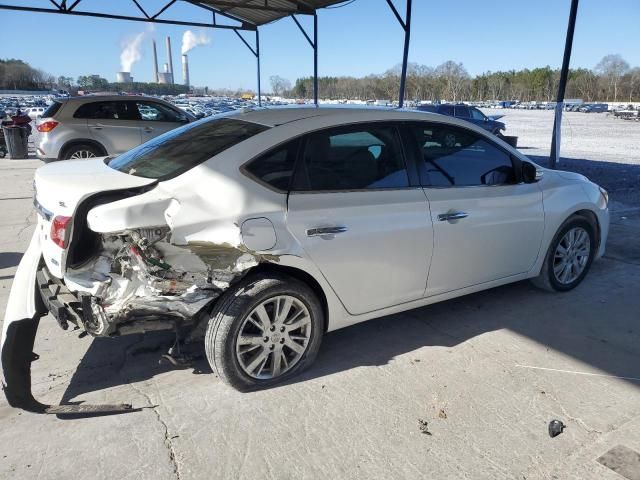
column 460, row 389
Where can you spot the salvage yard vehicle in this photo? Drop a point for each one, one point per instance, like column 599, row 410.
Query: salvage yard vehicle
column 258, row 231
column 88, row 127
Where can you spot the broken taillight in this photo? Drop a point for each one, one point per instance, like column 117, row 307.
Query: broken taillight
column 60, row 230
column 45, row 127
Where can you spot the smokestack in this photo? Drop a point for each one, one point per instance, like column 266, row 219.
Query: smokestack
column 185, row 70
column 170, row 58
column 155, row 63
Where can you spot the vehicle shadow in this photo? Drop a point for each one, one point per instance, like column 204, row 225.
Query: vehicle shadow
column 610, row 343
column 9, row 259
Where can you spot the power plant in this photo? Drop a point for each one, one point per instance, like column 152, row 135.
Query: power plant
column 124, row 77
column 165, row 77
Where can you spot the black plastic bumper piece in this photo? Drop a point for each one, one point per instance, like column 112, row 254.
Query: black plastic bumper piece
column 17, row 355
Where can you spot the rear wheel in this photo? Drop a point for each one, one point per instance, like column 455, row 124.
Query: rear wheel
column 81, row 151
column 569, row 256
column 263, row 331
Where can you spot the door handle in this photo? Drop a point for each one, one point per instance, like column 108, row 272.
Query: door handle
column 322, row 231
column 447, row 217
column 97, row 126
column 148, row 129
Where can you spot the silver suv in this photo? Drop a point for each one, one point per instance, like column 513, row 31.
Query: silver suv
column 85, row 127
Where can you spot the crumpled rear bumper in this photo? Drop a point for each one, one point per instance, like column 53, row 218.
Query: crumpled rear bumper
column 22, row 317
column 30, row 299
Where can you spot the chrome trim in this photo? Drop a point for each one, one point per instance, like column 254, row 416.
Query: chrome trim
column 46, row 214
column 321, row 231
column 447, row 217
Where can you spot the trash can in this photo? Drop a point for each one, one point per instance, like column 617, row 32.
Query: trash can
column 17, row 139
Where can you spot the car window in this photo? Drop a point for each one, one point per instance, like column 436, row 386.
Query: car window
column 275, row 168
column 456, row 157
column 462, row 112
column 156, row 112
column 181, row 149
column 114, row 110
column 446, row 110
column 477, row 114
column 352, row 158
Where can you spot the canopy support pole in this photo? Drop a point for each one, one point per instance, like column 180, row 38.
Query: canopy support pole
column 314, row 45
column 554, row 156
column 256, row 53
column 406, row 26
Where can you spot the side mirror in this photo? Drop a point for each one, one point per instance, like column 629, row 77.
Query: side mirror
column 530, row 173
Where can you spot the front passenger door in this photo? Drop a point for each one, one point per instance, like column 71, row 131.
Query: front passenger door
column 487, row 225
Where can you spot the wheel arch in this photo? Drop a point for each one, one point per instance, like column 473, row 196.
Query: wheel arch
column 81, row 141
column 592, row 218
column 300, row 275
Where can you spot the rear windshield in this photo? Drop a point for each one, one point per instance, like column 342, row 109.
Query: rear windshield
column 179, row 150
column 52, row 109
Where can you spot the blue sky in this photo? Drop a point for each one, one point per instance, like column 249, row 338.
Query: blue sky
column 358, row 39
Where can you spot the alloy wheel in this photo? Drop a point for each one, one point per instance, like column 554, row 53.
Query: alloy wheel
column 273, row 337
column 571, row 256
column 79, row 154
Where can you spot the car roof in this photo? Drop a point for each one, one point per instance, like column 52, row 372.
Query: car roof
column 281, row 115
column 106, row 98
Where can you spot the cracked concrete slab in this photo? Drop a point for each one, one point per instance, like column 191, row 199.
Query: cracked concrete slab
column 464, row 367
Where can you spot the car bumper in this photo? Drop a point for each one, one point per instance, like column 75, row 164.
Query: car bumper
column 34, row 293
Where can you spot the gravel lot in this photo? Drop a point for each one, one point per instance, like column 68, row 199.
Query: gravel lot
column 597, row 145
column 461, row 389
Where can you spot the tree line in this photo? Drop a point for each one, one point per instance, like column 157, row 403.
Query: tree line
column 611, row 80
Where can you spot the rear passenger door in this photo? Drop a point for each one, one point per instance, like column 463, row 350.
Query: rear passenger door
column 114, row 124
column 487, row 224
column 359, row 213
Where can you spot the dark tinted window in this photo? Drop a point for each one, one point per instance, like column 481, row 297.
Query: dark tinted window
column 183, row 148
column 455, row 156
column 352, row 158
column 108, row 111
column 52, row 109
column 276, row 167
column 446, row 110
column 462, row 112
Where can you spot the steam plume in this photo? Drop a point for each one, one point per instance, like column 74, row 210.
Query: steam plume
column 191, row 40
column 132, row 49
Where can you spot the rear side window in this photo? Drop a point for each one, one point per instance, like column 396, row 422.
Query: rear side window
column 108, row 111
column 183, row 148
column 456, row 157
column 52, row 109
column 275, row 168
column 352, row 158
column 446, row 110
column 462, row 112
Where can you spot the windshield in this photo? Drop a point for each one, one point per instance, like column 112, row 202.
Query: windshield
column 179, row 150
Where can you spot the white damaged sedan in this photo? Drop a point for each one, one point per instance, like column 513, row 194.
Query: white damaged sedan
column 256, row 232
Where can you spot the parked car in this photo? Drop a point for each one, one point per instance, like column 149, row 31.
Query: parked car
column 86, row 127
column 34, row 112
column 470, row 114
column 258, row 231
column 594, row 108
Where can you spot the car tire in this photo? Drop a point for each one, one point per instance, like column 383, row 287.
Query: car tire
column 232, row 346
column 81, row 151
column 553, row 277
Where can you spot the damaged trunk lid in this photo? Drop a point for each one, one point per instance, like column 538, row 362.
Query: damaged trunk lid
column 60, row 188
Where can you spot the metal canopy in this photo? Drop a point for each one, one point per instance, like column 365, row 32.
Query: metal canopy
column 261, row 12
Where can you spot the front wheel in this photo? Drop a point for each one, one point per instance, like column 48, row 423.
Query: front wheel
column 266, row 329
column 569, row 256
